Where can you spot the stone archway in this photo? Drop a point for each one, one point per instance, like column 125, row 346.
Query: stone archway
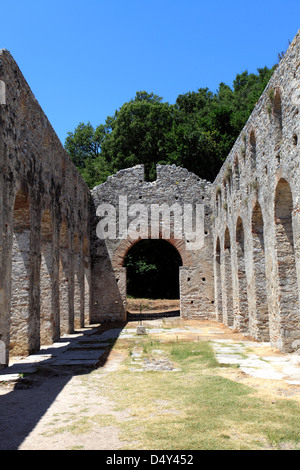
column 287, row 321
column 126, row 245
column 153, row 275
column 175, row 208
column 187, row 275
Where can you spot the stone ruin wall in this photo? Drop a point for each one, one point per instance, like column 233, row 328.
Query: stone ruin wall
column 57, row 275
column 256, row 202
column 173, row 186
column 44, row 220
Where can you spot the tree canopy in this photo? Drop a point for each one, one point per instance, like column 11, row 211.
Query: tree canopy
column 197, row 132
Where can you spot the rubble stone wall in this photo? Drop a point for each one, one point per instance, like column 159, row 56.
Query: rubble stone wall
column 59, row 270
column 177, row 189
column 40, row 192
column 256, row 201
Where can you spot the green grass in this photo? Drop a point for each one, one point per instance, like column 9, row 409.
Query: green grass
column 200, row 352
column 199, row 405
column 196, row 407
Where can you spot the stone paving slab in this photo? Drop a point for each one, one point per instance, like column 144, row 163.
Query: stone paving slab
column 9, row 377
column 91, row 339
column 266, row 367
column 76, row 362
column 52, row 351
column 82, row 349
column 110, row 334
column 19, row 369
column 89, row 345
column 81, row 354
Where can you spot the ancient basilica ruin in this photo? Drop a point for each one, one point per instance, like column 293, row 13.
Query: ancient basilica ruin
column 57, row 274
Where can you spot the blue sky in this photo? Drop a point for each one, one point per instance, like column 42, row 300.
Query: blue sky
column 83, row 60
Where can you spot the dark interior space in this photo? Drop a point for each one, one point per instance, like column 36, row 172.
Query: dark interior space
column 153, row 270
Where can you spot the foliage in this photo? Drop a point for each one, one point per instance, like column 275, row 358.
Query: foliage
column 197, row 132
column 84, row 147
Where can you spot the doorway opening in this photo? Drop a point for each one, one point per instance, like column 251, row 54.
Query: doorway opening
column 153, row 278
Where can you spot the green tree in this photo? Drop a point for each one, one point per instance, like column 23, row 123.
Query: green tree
column 139, row 132
column 84, row 147
column 197, row 132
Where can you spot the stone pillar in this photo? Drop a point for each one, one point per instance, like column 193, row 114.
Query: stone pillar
column 46, row 280
column 20, row 278
column 227, row 305
column 64, row 278
column 259, row 316
column 78, row 284
column 242, row 318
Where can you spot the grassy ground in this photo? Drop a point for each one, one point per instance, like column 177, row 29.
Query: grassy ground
column 192, row 406
column 166, row 391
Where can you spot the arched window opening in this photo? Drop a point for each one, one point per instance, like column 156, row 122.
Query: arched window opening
column 218, row 199
column 252, row 141
column 277, row 115
column 236, row 174
column 2, row 93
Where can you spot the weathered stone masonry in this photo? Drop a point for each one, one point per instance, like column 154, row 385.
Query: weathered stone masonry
column 44, row 219
column 174, row 187
column 57, row 274
column 256, row 201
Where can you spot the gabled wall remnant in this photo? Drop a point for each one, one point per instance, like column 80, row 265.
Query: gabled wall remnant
column 179, row 194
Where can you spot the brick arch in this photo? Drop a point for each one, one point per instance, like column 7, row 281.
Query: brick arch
column 125, row 245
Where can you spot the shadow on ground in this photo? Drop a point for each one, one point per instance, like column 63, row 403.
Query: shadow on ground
column 131, row 317
column 29, row 387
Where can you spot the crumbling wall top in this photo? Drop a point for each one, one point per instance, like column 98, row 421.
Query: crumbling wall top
column 173, row 183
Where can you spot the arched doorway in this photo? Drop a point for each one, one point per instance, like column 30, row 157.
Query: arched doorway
column 286, row 265
column 153, row 276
